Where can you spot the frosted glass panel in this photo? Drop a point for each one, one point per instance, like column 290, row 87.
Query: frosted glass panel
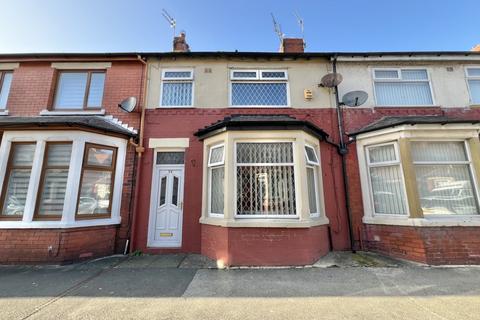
column 217, row 189
column 259, row 94
column 387, row 188
column 403, row 93
column 382, row 154
column 438, row 151
column 280, row 152
column 216, row 155
column 446, row 189
column 5, row 89
column 414, row 75
column 71, row 90
column 474, row 90
column 95, row 94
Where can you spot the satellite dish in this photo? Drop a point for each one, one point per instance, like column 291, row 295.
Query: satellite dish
column 354, row 98
column 331, row 80
column 128, row 104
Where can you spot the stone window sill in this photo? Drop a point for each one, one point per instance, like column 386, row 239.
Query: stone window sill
column 58, row 224
column 264, row 223
column 3, row 112
column 45, row 112
column 430, row 221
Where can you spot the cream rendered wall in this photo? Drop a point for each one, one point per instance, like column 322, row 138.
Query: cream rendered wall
column 211, row 89
column 449, row 87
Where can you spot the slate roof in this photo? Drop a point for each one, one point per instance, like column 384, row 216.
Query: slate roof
column 389, row 122
column 100, row 123
column 260, row 122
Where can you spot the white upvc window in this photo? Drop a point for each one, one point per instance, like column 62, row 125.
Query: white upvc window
column 216, row 180
column 259, row 88
column 5, row 83
column 49, row 178
column 312, row 167
column 265, row 180
column 473, row 80
column 387, row 187
column 445, row 180
column 177, row 88
column 402, row 87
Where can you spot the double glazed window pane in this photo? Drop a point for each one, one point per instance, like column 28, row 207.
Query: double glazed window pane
column 18, row 178
column 72, row 90
column 55, row 178
column 95, row 192
column 444, row 180
column 5, row 89
column 177, row 93
column 217, row 189
column 259, row 94
column 403, row 93
column 100, row 157
column 312, row 190
column 474, row 90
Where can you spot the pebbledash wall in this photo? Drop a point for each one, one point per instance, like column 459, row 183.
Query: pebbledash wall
column 31, row 93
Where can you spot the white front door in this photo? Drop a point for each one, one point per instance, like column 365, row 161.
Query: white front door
column 166, row 208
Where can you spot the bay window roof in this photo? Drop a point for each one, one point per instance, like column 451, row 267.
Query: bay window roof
column 98, row 123
column 389, row 122
column 260, row 122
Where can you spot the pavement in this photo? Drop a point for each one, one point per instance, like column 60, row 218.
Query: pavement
column 339, row 286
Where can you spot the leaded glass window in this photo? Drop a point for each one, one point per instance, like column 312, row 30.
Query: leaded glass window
column 312, row 183
column 216, row 179
column 265, row 179
column 177, row 88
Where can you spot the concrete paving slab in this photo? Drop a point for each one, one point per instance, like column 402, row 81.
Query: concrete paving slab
column 347, row 259
column 153, row 261
column 197, row 261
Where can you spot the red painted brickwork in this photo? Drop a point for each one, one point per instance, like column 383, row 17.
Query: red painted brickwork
column 67, row 245
column 32, row 90
column 181, row 123
column 447, row 245
column 432, row 245
column 264, row 246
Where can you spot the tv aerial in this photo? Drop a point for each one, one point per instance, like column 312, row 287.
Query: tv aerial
column 301, row 23
column 171, row 21
column 278, row 29
column 354, row 98
column 128, row 105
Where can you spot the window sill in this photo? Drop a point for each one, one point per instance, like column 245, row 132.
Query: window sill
column 73, row 112
column 264, row 223
column 49, row 224
column 431, row 221
column 4, row 113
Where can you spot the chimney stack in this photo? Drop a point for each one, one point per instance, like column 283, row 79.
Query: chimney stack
column 292, row 45
column 180, row 44
column 476, row 48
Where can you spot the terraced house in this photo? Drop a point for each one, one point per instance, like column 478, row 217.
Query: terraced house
column 250, row 158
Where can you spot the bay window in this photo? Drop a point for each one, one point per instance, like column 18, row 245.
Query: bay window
column 216, row 178
column 312, row 179
column 402, row 87
column 259, row 88
column 52, row 179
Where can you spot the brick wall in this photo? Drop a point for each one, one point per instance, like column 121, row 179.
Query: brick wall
column 55, row 245
column 32, row 90
column 264, row 246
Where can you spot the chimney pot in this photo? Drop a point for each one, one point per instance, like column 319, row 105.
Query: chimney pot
column 180, row 43
column 292, row 45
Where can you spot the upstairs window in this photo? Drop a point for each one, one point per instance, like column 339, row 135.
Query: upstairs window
column 79, row 90
column 402, row 87
column 177, row 88
column 259, row 88
column 473, row 78
column 5, row 83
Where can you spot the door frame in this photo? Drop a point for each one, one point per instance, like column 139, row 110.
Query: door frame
column 151, row 243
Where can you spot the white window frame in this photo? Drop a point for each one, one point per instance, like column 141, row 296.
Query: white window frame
column 78, row 139
column 4, row 110
column 189, row 79
column 469, row 77
column 258, row 79
column 295, row 179
column 315, row 166
column 211, row 166
column 399, row 79
column 398, row 162
column 468, row 162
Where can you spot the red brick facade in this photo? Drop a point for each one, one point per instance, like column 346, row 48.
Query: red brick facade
column 32, row 90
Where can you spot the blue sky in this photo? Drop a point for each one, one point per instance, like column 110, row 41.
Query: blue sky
column 214, row 25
